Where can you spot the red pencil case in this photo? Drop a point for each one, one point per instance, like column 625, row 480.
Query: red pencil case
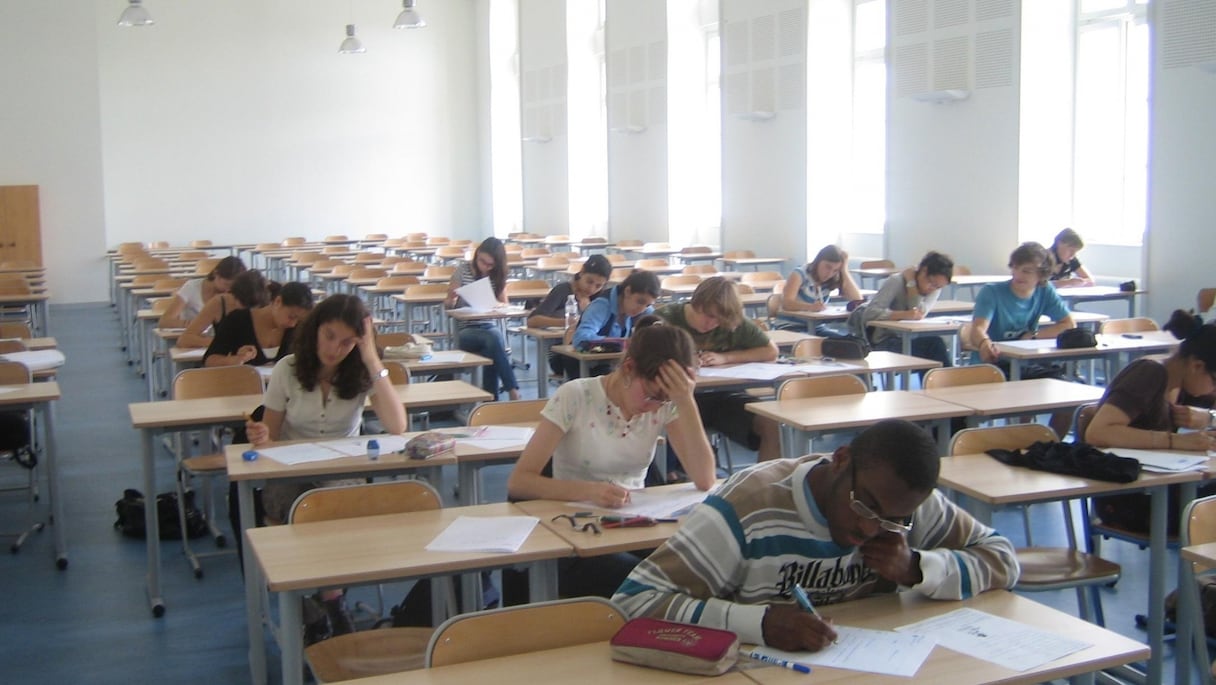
column 675, row 646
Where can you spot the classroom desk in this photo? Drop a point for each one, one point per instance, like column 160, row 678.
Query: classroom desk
column 736, row 263
column 878, row 273
column 1113, row 348
column 881, row 363
column 155, row 418
column 807, row 417
column 1100, row 293
column 987, row 483
column 545, row 338
column 839, row 311
column 465, row 315
column 1017, row 398
column 33, row 344
column 447, row 361
column 471, row 460
column 37, row 301
column 1190, row 618
column 586, row 359
column 41, row 397
column 948, row 325
column 293, row 560
column 425, row 300
column 787, row 340
column 1108, row 650
column 588, row 246
column 690, row 257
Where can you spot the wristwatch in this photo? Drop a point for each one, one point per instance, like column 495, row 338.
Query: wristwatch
column 383, row 373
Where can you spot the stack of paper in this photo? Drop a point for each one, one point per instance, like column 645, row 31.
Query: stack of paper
column 495, row 437
column 484, row 534
column 36, row 360
column 1164, row 462
column 1007, row 643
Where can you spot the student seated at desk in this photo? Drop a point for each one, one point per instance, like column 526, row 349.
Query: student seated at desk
column 714, row 318
column 809, row 289
column 483, row 337
column 584, row 286
column 909, row 294
column 863, row 520
column 1147, row 402
column 259, row 336
column 1068, row 271
column 599, row 434
column 248, row 291
column 319, row 393
column 197, row 292
column 614, row 312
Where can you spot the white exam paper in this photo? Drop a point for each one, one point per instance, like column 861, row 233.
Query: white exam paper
column 484, row 534
column 1007, row 643
column 303, row 453
column 1163, row 462
column 869, row 651
column 36, row 360
column 446, row 356
column 671, row 503
column 479, row 294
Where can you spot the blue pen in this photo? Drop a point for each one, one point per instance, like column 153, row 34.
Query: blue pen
column 805, row 603
column 792, row 665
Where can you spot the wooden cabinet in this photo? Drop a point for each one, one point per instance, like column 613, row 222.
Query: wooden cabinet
column 20, row 226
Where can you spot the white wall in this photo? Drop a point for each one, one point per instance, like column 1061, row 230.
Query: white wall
column 50, row 136
column 636, row 40
column 204, row 126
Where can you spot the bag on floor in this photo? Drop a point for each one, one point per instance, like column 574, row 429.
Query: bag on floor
column 15, row 438
column 130, row 511
column 1207, row 604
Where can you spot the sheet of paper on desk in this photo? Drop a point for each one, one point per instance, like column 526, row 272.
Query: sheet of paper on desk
column 447, row 355
column 668, row 503
column 484, row 534
column 302, row 453
column 479, row 294
column 1049, row 344
column 498, row 437
column 750, row 371
column 870, row 651
column 4, row 389
column 1164, row 462
column 36, row 360
column 1007, row 643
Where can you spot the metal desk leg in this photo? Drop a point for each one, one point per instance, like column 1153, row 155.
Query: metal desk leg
column 1156, row 585
column 1015, row 369
column 466, row 477
column 291, row 636
column 253, row 588
column 152, row 526
column 52, row 476
column 942, row 426
column 542, row 581
column 542, row 366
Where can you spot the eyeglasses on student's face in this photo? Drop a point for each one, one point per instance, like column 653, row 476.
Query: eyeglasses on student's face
column 654, row 396
column 866, row 512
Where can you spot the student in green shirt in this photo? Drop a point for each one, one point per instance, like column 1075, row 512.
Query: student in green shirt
column 714, row 318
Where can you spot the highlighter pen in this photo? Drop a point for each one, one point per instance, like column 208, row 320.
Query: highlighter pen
column 792, row 665
column 805, row 603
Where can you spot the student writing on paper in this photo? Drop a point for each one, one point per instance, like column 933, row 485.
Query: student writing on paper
column 1010, row 311
column 196, row 292
column 908, row 295
column 249, row 290
column 483, row 337
column 262, row 335
column 866, row 519
column 1068, row 271
column 714, row 318
column 599, row 433
column 613, row 314
column 318, row 393
column 1148, row 401
column 808, row 289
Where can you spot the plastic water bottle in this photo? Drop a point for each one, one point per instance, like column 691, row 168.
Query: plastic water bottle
column 373, row 449
column 571, row 311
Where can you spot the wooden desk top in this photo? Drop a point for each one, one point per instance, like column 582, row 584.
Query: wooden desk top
column 752, row 261
column 570, row 351
column 425, row 298
column 986, row 479
column 787, row 339
column 546, row 333
column 1150, row 341
column 26, row 298
column 950, row 324
column 466, row 360
column 28, row 393
column 512, row 312
column 948, row 666
column 373, row 549
column 1097, row 292
column 37, row 343
column 996, row 399
column 852, row 411
column 875, row 362
column 265, row 468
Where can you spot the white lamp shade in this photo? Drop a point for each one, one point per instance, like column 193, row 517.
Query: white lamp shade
column 351, row 45
column 409, row 17
column 135, row 15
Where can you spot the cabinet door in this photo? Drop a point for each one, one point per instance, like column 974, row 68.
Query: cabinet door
column 20, row 227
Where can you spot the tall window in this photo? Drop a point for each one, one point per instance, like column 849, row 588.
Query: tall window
column 694, row 145
column 869, row 147
column 588, row 112
column 1110, row 137
column 505, row 156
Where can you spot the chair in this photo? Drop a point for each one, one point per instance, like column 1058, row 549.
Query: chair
column 335, row 239
column 200, row 243
column 618, row 275
column 817, row 386
column 191, row 384
column 1138, row 324
column 15, row 329
column 1199, row 527
column 763, row 279
column 521, row 629
column 15, row 373
column 877, row 264
column 809, row 348
column 1205, row 299
column 739, row 254
column 975, row 374
column 679, row 280
column 1046, row 568
column 773, row 308
column 701, row 269
column 368, row 652
column 492, row 413
column 438, row 273
column 653, row 264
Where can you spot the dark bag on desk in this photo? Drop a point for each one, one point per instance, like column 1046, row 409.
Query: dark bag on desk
column 130, row 511
column 847, row 347
column 1076, row 337
column 1072, row 459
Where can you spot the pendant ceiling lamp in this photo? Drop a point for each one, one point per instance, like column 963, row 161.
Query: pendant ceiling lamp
column 351, row 45
column 135, row 15
column 409, row 17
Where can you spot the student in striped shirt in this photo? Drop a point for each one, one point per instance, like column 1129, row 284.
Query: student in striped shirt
column 866, row 519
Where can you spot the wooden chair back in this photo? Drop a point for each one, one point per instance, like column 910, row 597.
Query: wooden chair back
column 696, row 249
column 808, row 349
column 449, row 252
column 365, row 272
column 1138, row 324
column 217, row 381
column 739, row 254
column 974, row 374
column 424, row 289
column 159, row 305
column 535, row 253
column 365, row 499
column 761, row 277
column 629, row 244
column 960, row 270
column 334, row 249
column 680, row 279
column 343, row 270
column 293, row 241
column 1205, row 299
column 306, row 257
column 653, row 264
column 437, row 240
column 561, row 260
column 1081, row 418
column 437, row 272
column 16, row 287
column 620, row 274
column 144, row 281
column 375, row 237
column 744, row 288
column 200, row 243
column 1200, row 528
column 15, row 373
column 462, row 242
column 396, row 281
column 188, row 255
column 513, row 287
column 335, row 239
column 410, row 266
column 7, row 346
column 522, row 629
column 169, row 283
column 877, row 264
column 396, row 339
column 515, row 411
column 416, row 236
column 205, row 266
column 820, row 386
column 773, row 305
column 397, row 373
column 159, row 245
column 700, row 269
column 559, row 238
column 615, row 258
column 15, row 329
column 1010, row 437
